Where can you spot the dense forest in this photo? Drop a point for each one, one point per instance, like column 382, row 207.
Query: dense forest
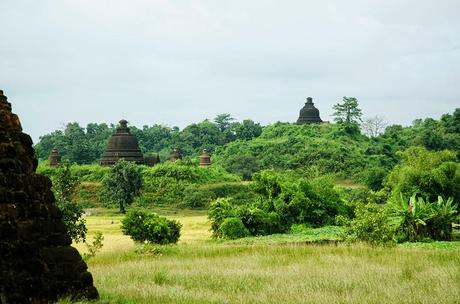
column 348, row 149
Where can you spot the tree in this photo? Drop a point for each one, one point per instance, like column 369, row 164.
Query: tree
column 223, row 121
column 425, row 173
column 348, row 114
column 122, row 184
column 64, row 185
column 247, row 130
column 373, row 126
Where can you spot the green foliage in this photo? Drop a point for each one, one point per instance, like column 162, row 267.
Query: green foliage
column 284, row 199
column 348, row 114
column 150, row 227
column 64, row 184
column 445, row 213
column 370, row 224
column 243, row 165
column 410, row 217
column 218, row 212
column 122, row 184
column 95, row 246
column 416, row 219
column 425, row 173
column 247, row 130
column 259, row 221
column 233, row 228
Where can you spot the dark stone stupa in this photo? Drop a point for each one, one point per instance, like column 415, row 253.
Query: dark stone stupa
column 309, row 114
column 37, row 262
column 122, row 145
column 205, row 158
column 175, row 155
column 152, row 160
column 55, row 159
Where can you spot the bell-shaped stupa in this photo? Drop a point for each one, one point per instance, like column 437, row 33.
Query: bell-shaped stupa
column 205, row 158
column 55, row 159
column 122, row 145
column 309, row 114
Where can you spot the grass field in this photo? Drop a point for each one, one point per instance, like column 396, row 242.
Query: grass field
column 276, row 269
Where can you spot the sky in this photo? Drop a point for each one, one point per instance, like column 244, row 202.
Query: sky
column 175, row 62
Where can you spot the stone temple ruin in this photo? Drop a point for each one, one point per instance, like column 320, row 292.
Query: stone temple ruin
column 205, row 158
column 122, row 145
column 37, row 263
column 309, row 113
column 55, row 159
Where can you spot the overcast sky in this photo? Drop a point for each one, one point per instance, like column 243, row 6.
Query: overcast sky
column 176, row 62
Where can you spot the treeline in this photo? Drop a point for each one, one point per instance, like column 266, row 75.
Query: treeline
column 338, row 148
column 82, row 145
column 244, row 148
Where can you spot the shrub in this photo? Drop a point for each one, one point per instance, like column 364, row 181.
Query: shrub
column 197, row 198
column 260, row 222
column 218, row 212
column 233, row 228
column 150, row 227
column 440, row 224
column 417, row 219
column 370, row 225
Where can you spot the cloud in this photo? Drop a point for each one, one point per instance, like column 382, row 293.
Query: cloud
column 177, row 62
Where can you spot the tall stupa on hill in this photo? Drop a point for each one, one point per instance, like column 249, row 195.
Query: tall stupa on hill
column 122, row 145
column 309, row 113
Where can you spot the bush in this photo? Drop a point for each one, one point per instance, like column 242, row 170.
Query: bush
column 370, row 225
column 417, row 219
column 218, row 212
column 150, row 227
column 233, row 228
column 197, row 198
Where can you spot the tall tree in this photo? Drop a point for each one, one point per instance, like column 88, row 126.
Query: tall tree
column 348, row 114
column 122, row 184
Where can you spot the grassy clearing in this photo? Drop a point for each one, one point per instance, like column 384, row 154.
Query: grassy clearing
column 277, row 269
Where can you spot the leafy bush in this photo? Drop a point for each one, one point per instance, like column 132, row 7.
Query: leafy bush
column 261, row 222
column 425, row 173
column 417, row 219
column 370, row 225
column 197, row 198
column 233, row 228
column 150, row 227
column 444, row 214
column 218, row 212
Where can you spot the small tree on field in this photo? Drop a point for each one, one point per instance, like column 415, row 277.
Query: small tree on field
column 122, row 184
column 348, row 114
column 64, row 185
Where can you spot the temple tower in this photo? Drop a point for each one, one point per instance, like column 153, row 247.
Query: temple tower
column 55, row 159
column 309, row 114
column 205, row 158
column 122, row 145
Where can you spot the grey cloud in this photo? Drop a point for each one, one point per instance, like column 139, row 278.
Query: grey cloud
column 177, row 62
